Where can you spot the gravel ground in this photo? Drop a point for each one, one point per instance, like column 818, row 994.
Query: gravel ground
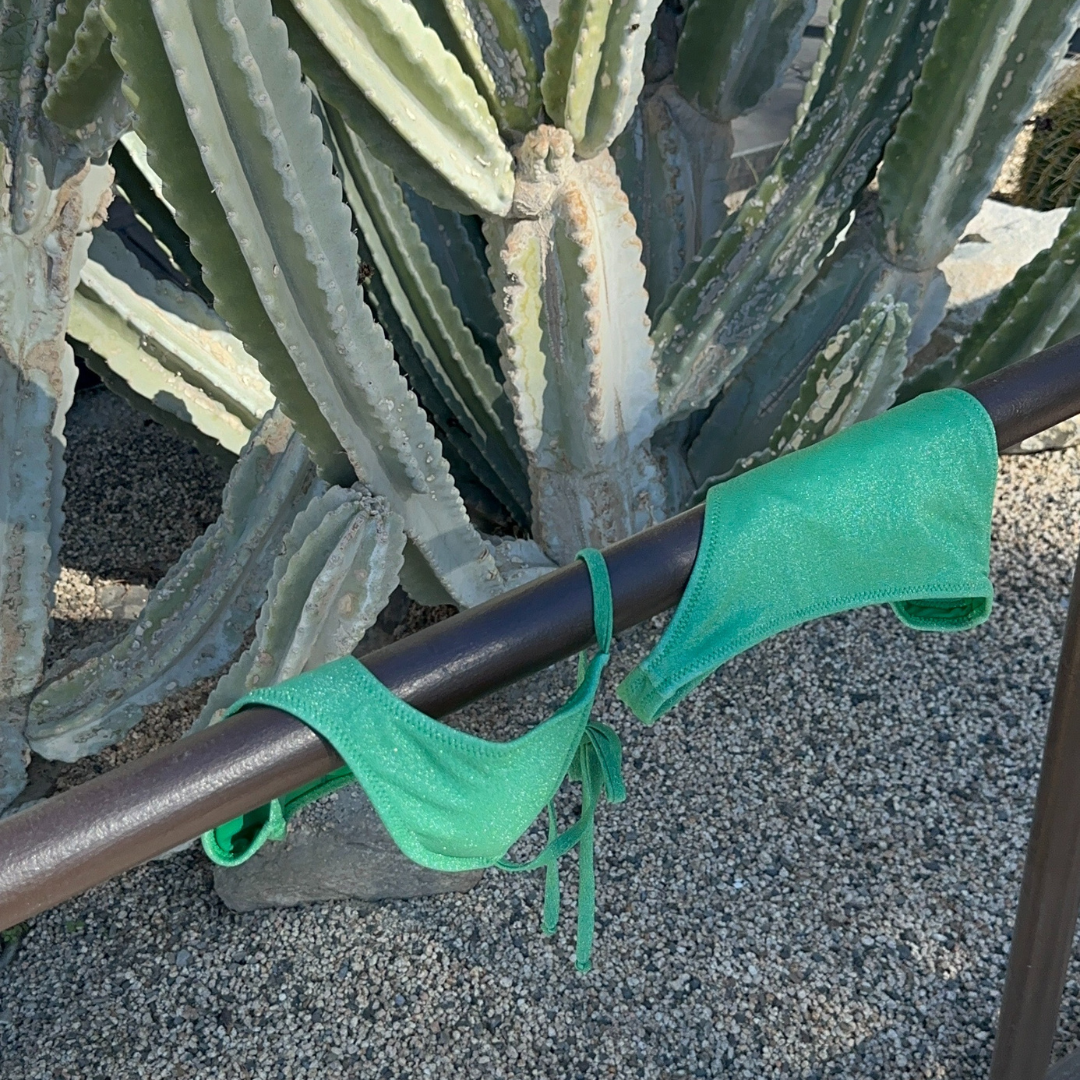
column 814, row 875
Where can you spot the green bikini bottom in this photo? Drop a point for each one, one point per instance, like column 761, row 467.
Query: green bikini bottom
column 894, row 510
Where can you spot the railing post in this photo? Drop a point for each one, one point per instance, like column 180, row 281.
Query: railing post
column 1050, row 893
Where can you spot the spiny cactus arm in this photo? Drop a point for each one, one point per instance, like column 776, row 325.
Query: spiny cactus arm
column 725, row 303
column 173, row 153
column 162, row 347
column 585, row 404
column 673, row 164
column 572, row 61
column 63, row 30
column 853, row 378
column 467, row 464
column 339, row 564
column 196, row 617
column 50, row 199
column 754, row 403
column 817, row 71
column 593, row 68
column 336, row 88
column 490, row 40
column 187, row 336
column 887, row 324
column 457, row 246
column 989, row 61
column 1026, row 315
column 1038, row 308
column 262, row 148
column 159, row 218
column 403, row 71
column 508, row 52
column 84, row 95
column 172, row 408
column 621, row 77
column 730, row 55
column 426, row 310
column 106, row 341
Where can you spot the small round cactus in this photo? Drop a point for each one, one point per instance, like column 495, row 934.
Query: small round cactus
column 1050, row 174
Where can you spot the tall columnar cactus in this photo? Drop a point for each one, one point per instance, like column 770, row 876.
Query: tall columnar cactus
column 51, row 197
column 575, row 345
column 486, row 267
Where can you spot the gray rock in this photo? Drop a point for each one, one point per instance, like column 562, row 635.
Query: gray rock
column 337, row 848
column 999, row 239
column 120, row 600
column 1067, row 433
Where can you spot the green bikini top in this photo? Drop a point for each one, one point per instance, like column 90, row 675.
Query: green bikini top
column 450, row 800
column 893, row 510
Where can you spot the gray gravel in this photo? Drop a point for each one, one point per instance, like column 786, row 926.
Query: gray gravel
column 813, row 876
column 136, row 497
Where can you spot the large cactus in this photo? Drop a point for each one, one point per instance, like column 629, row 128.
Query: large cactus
column 485, row 265
column 51, row 197
column 933, row 176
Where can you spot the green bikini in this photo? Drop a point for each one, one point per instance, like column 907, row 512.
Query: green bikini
column 894, row 510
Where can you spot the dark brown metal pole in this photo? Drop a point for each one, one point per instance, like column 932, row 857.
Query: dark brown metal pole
column 57, row 849
column 1050, row 893
column 1033, row 395
column 63, row 846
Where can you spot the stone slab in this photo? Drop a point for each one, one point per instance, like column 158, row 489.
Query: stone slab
column 337, row 848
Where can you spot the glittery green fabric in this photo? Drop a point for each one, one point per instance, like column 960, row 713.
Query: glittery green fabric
column 896, row 509
column 450, row 801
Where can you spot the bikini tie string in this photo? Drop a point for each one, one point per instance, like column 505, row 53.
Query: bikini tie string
column 597, row 766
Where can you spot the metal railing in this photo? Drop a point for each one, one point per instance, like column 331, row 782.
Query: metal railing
column 63, row 846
